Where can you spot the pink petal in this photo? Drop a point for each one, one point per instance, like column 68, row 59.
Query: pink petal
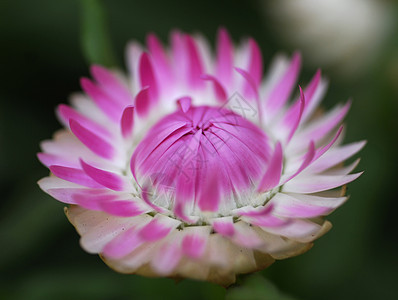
column 304, row 206
column 281, row 92
column 225, row 58
column 184, row 103
column 319, row 129
column 253, row 90
column 147, row 77
column 193, row 245
column 160, row 59
column 317, row 183
column 125, row 243
column 127, row 121
column 143, row 102
column 111, row 85
column 308, row 158
column 158, row 228
column 210, row 193
column 272, row 176
column 51, row 159
column 245, row 236
column 105, row 178
column 296, row 229
column 309, row 92
column 67, row 113
column 298, row 116
column 219, row 90
column 74, row 175
column 335, row 156
column 224, row 226
column 167, row 258
column 103, row 101
column 91, row 140
column 255, row 64
column 195, row 70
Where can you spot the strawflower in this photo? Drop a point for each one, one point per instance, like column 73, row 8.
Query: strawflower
column 193, row 165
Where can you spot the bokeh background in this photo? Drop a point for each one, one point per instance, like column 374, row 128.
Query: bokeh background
column 355, row 42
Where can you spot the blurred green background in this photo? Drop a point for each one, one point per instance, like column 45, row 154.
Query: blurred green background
column 41, row 61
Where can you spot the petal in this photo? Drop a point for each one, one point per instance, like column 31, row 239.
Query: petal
column 111, row 85
column 127, row 121
column 272, row 176
column 219, row 90
column 224, row 63
column 147, row 77
column 305, row 206
column 158, row 228
column 167, row 258
column 103, row 101
column 74, row 175
column 281, row 92
column 107, row 179
column 195, row 70
column 317, row 183
column 95, row 143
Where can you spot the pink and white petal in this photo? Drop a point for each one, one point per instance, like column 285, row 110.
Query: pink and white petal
column 335, row 156
column 124, row 208
column 95, row 238
column 184, row 103
column 84, row 219
column 66, row 113
column 127, row 122
column 94, row 142
column 306, row 161
column 320, row 128
column 161, row 62
column 107, row 179
column 87, row 198
column 196, row 69
column 304, row 206
column 111, row 85
column 316, row 183
column 107, row 105
column 195, row 240
column 219, row 91
column 245, row 236
column 342, row 171
column 137, row 261
column 51, row 159
column 168, row 256
column 296, row 229
column 272, row 176
column 133, row 53
column 75, row 175
column 143, row 102
column 148, row 78
column 279, row 247
column 158, row 228
column 127, row 241
column 224, row 64
column 224, row 226
column 282, row 90
column 66, row 145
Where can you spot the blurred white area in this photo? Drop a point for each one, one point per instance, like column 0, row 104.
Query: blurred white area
column 344, row 35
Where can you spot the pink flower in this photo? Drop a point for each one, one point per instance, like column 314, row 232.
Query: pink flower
column 194, row 165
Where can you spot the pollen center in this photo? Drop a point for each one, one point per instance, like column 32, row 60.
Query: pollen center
column 201, row 159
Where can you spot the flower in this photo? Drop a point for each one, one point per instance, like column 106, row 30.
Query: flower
column 194, row 166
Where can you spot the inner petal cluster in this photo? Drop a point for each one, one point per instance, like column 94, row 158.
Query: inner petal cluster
column 200, row 159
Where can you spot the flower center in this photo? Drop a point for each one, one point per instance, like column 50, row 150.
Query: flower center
column 201, row 159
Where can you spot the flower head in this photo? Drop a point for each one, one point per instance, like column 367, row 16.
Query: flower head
column 193, row 165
